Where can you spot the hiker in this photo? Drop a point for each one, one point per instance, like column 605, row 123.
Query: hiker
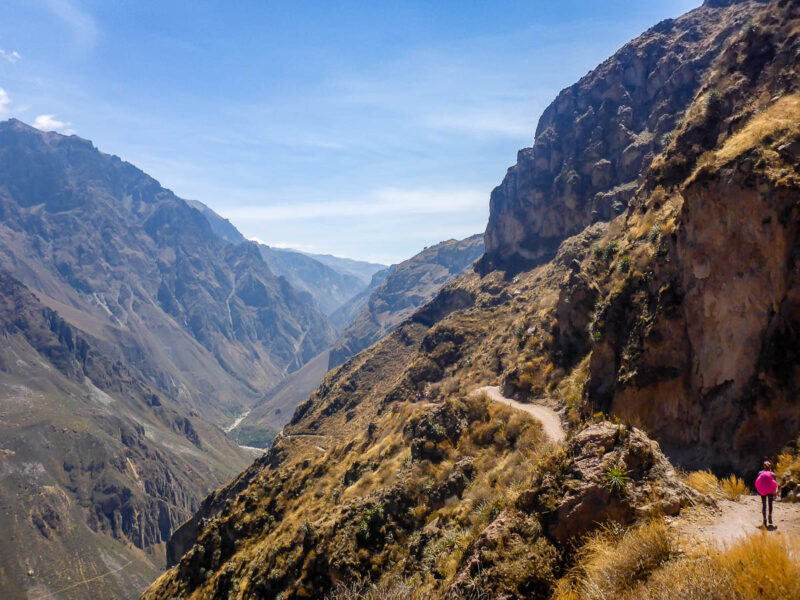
column 766, row 486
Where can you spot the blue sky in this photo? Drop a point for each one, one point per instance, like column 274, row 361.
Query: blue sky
column 362, row 129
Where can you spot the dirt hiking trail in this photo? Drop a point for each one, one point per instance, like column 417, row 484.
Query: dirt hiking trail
column 551, row 422
column 732, row 520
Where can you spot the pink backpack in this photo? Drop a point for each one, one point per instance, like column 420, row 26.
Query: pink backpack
column 766, row 484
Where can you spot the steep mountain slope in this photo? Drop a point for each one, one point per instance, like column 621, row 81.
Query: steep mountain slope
column 680, row 314
column 128, row 262
column 328, row 287
column 407, row 286
column 97, row 467
column 221, row 226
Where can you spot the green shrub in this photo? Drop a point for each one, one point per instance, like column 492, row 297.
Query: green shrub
column 624, row 264
column 655, row 233
column 714, row 102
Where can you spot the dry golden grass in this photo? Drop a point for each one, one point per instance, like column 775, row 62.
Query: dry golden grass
column 704, row 482
column 614, row 561
column 778, row 120
column 762, row 567
column 389, row 589
column 733, row 488
column 643, row 563
column 781, row 116
column 785, row 463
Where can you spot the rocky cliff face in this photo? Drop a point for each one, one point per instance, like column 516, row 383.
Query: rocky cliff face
column 127, row 261
column 713, row 369
column 406, row 287
column 687, row 340
column 595, row 142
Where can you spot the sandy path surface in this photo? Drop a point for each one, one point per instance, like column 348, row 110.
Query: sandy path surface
column 549, row 419
column 733, row 520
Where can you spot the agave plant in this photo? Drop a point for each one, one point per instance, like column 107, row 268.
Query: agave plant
column 617, row 478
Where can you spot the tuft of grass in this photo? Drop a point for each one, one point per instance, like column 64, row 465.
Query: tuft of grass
column 655, row 233
column 614, row 560
column 487, row 510
column 733, row 488
column 714, row 101
column 624, row 264
column 704, row 482
column 390, row 589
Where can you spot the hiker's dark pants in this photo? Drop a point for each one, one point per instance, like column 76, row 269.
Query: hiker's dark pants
column 764, row 507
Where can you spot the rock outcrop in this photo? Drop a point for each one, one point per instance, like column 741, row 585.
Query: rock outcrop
column 595, row 142
column 609, row 473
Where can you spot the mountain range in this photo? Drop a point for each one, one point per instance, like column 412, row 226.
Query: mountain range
column 136, row 325
column 327, row 280
column 638, row 296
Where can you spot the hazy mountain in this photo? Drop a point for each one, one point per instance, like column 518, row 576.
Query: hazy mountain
column 136, row 267
column 642, row 261
column 329, row 281
column 327, row 287
column 347, row 312
column 348, row 266
column 406, row 287
column 392, row 296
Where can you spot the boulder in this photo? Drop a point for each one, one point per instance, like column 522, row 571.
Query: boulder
column 609, row 472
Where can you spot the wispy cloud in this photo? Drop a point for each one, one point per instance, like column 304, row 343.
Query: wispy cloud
column 11, row 57
column 50, row 123
column 5, row 101
column 81, row 23
column 385, row 201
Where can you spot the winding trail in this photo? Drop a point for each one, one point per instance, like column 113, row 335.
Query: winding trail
column 551, row 422
column 289, row 436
